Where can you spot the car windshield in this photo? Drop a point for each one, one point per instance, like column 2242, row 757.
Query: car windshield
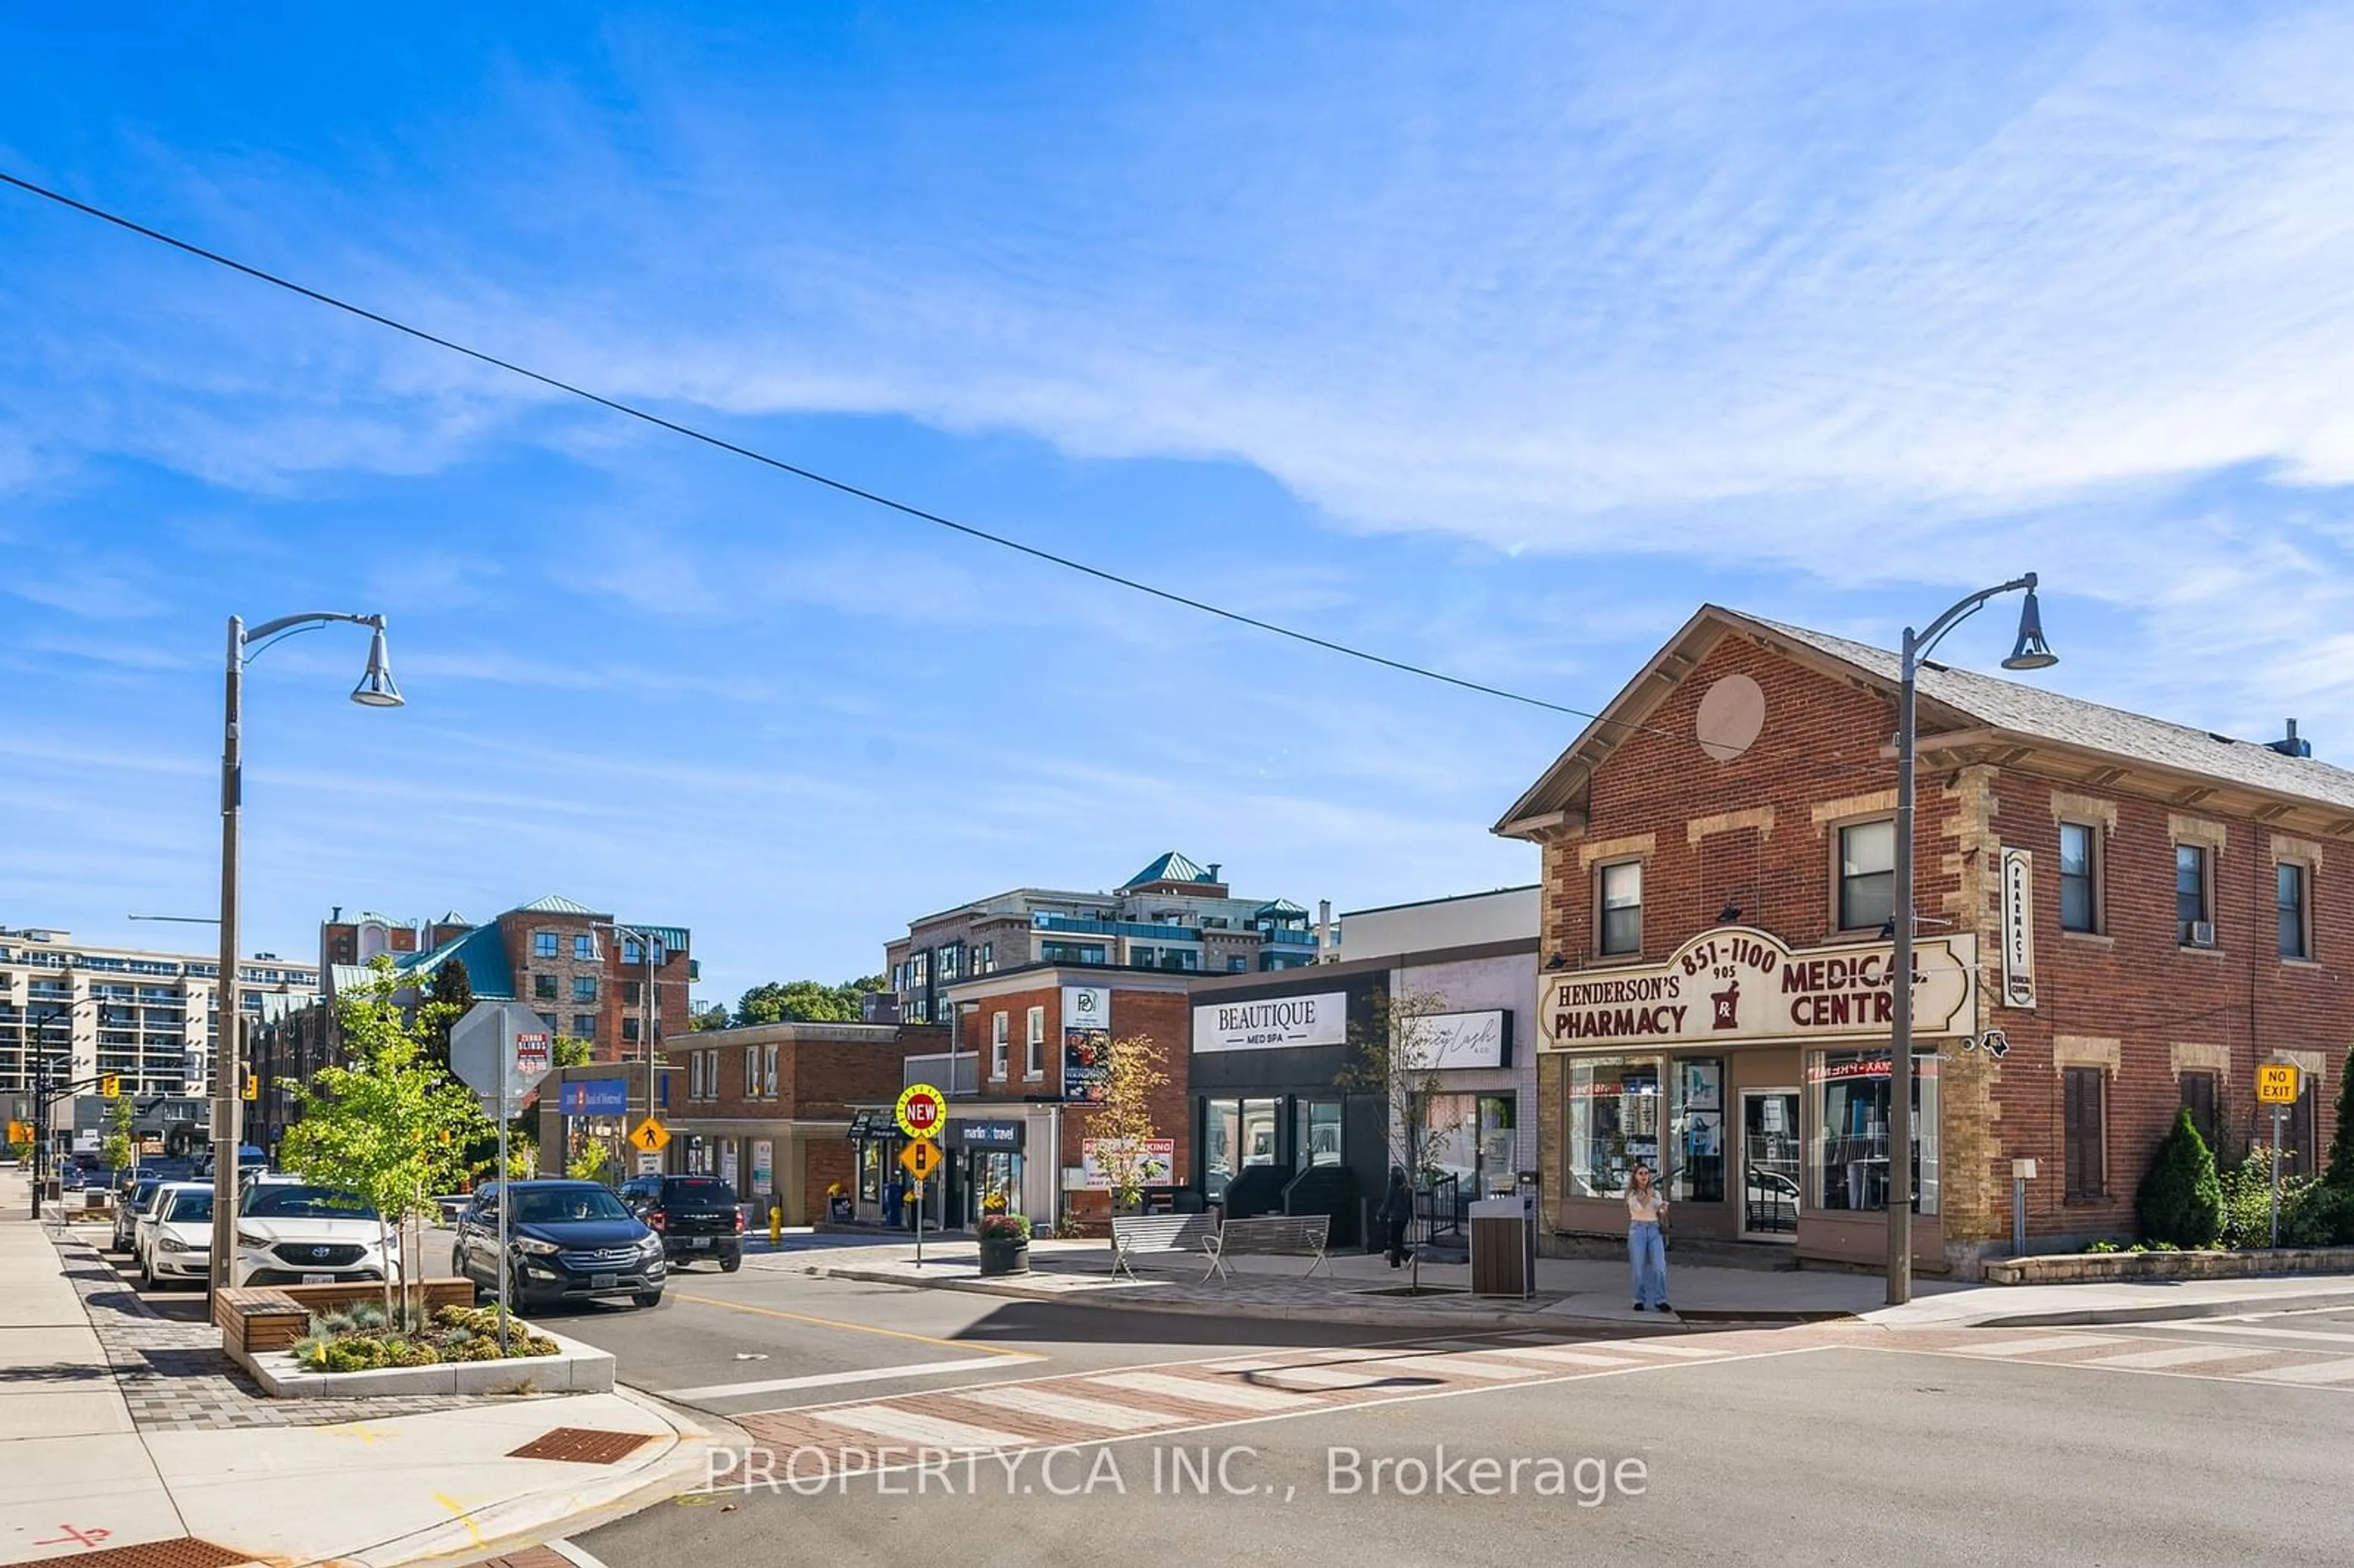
column 287, row 1203
column 550, row 1205
column 189, row 1207
column 700, row 1190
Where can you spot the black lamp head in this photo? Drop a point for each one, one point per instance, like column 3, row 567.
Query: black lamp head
column 2030, row 652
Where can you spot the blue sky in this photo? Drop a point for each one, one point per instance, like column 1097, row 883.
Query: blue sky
column 1495, row 340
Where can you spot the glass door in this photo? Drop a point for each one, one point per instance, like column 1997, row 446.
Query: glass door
column 1770, row 1164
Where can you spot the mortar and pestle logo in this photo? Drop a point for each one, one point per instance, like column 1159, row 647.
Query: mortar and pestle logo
column 1728, row 1006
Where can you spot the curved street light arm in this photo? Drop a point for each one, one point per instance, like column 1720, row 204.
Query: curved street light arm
column 1918, row 647
column 313, row 618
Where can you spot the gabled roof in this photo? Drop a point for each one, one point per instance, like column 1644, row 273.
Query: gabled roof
column 1281, row 906
column 484, row 955
column 1968, row 716
column 1170, row 867
column 554, row 904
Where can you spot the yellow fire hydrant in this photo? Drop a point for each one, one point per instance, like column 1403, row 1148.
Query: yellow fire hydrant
column 775, row 1224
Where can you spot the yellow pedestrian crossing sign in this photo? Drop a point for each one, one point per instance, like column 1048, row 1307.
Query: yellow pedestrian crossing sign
column 649, row 1137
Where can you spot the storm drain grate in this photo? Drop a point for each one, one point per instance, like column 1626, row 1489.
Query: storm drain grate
column 575, row 1445
column 186, row 1552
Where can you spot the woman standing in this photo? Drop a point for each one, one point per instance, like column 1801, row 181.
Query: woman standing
column 1396, row 1213
column 1645, row 1210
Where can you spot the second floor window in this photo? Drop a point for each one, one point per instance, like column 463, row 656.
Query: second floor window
column 1867, row 875
column 1034, row 1047
column 1622, row 907
column 2289, row 896
column 998, row 1022
column 2078, row 892
column 2191, row 911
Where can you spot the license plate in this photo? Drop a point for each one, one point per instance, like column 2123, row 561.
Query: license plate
column 698, row 1241
column 604, row 1281
column 318, row 1279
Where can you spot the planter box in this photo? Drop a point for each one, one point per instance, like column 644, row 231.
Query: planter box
column 2090, row 1268
column 575, row 1368
column 263, row 1317
column 1004, row 1258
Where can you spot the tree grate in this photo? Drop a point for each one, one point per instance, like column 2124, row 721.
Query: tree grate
column 184, row 1552
column 583, row 1446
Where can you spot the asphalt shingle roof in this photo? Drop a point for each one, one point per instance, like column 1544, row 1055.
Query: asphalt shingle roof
column 2034, row 711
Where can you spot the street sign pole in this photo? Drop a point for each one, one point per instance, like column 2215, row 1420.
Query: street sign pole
column 505, row 1271
column 919, row 1222
column 2276, row 1137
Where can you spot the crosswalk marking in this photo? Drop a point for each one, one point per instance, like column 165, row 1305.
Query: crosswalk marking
column 1665, row 1347
column 827, row 1380
column 1304, row 1359
column 1363, row 1375
column 1201, row 1391
column 1024, row 1400
column 1563, row 1355
column 2174, row 1356
column 2339, row 1370
column 909, row 1426
column 1459, row 1366
column 2041, row 1345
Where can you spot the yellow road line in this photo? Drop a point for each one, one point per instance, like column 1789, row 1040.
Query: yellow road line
column 854, row 1328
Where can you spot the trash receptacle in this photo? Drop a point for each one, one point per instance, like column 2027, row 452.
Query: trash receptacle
column 1503, row 1246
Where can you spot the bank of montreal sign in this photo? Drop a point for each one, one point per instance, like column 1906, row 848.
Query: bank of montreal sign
column 1735, row 985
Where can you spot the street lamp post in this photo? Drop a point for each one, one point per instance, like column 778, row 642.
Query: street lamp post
column 2028, row 653
column 648, row 1011
column 376, row 689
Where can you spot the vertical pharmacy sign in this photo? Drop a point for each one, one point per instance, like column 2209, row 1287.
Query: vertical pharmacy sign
column 2018, row 928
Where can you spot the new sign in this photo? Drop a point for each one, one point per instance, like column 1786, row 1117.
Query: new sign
column 1446, row 1041
column 2018, row 928
column 1273, row 1023
column 1734, row 985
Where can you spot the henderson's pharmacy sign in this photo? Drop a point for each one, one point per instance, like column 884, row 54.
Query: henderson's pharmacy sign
column 1734, row 985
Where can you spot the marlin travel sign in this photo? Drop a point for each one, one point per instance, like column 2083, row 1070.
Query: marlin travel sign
column 1735, row 985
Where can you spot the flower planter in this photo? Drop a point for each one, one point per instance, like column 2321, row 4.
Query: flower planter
column 1007, row 1255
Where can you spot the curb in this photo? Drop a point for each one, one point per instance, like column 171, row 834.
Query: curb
column 2098, row 1316
column 1358, row 1317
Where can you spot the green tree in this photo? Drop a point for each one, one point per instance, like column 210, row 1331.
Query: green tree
column 571, row 1053
column 712, row 1017
column 588, row 1165
column 453, row 997
column 391, row 1126
column 801, row 1001
column 118, row 1148
column 2181, row 1199
column 1395, row 1060
column 2339, row 1173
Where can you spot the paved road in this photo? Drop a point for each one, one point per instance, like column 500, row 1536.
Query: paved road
column 1129, row 1439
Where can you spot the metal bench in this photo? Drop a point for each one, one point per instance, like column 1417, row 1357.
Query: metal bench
column 1272, row 1235
column 1132, row 1234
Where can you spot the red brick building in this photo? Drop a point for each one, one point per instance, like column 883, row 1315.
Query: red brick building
column 2143, row 912
column 1018, row 1121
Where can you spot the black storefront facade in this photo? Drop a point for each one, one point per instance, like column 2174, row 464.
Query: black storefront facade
column 1274, row 1129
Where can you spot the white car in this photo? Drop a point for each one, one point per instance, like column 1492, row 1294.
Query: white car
column 308, row 1235
column 176, row 1241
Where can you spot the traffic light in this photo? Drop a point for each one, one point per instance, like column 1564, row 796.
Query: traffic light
column 252, row 1090
column 111, row 1086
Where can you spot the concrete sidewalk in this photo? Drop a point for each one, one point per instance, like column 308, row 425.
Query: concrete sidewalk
column 1584, row 1293
column 79, row 1473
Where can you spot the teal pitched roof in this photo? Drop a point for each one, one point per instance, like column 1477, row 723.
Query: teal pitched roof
column 483, row 953
column 1281, row 906
column 555, row 904
column 1170, row 867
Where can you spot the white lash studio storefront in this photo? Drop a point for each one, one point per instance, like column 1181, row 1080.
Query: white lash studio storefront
column 1754, row 1080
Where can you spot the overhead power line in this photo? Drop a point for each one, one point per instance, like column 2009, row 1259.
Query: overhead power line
column 842, row 487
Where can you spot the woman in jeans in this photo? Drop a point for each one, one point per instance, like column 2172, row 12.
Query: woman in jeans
column 1645, row 1210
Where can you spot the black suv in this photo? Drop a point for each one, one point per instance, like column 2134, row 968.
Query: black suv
column 696, row 1216
column 568, row 1241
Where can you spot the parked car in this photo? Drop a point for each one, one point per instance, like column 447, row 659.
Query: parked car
column 696, row 1217
column 291, row 1233
column 568, row 1240
column 126, row 1212
column 176, row 1237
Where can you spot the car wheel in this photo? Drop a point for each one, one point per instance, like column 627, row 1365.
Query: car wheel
column 647, row 1298
column 731, row 1263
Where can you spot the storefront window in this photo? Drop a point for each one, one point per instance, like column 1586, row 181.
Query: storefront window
column 1499, row 1152
column 870, row 1170
column 1235, row 1133
column 1470, row 1138
column 1696, row 1131
column 1316, row 1133
column 1613, row 1122
column 1849, row 1171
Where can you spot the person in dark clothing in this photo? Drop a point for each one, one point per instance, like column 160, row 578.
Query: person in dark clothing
column 1396, row 1213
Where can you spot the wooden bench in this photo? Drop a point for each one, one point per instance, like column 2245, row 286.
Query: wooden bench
column 1272, row 1235
column 261, row 1319
column 1132, row 1234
